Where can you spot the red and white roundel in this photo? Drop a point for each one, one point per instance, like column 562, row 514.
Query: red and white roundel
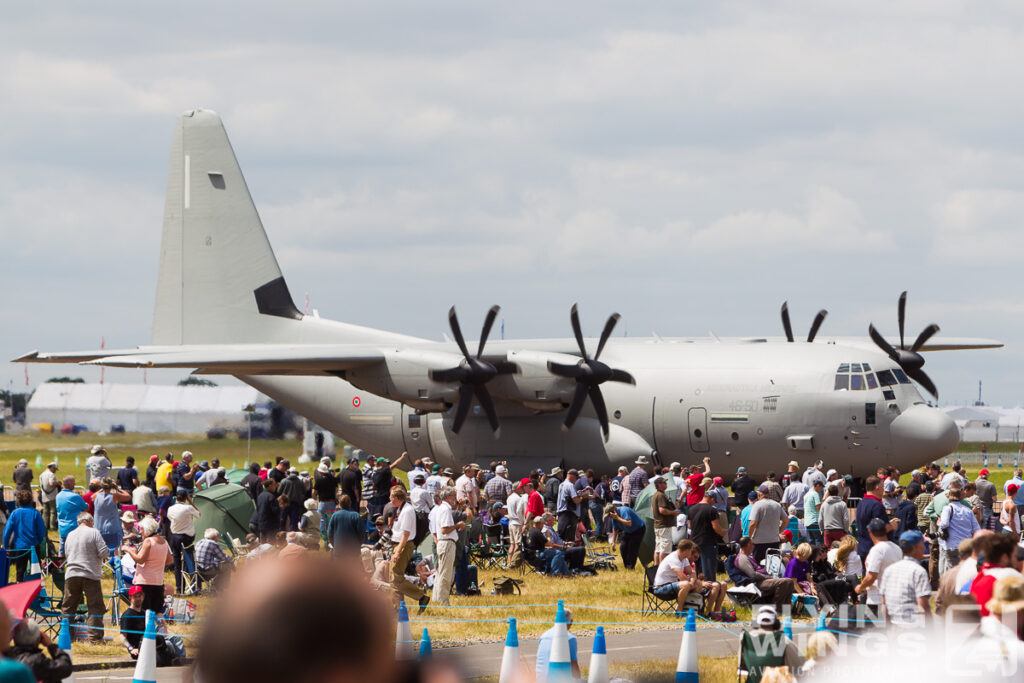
column 356, row 402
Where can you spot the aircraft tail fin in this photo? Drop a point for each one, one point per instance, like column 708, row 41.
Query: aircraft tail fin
column 219, row 281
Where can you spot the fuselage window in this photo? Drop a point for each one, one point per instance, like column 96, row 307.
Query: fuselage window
column 885, row 378
column 842, row 382
column 872, row 382
column 901, row 376
column 857, row 382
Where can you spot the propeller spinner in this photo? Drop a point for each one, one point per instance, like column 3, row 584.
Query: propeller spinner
column 815, row 326
column 908, row 358
column 590, row 373
column 473, row 372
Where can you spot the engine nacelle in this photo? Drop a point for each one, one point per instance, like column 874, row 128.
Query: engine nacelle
column 534, row 386
column 405, row 376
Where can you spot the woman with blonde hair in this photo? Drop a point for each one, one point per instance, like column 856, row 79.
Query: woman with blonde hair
column 153, row 557
column 846, row 559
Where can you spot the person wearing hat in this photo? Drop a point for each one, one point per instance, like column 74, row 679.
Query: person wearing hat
column 133, row 626
column 49, row 487
column 636, row 482
column 871, row 508
column 986, row 492
column 498, row 487
column 98, row 464
column 419, row 495
column 534, row 502
column 628, row 529
column 664, row 513
column 998, row 641
column 325, row 488
column 792, row 474
column 568, row 507
column 742, row 485
column 905, row 589
column 766, row 646
column 381, row 479
column 131, row 533
column 696, row 488
column 22, row 476
column 516, row 504
column 551, row 485
column 435, row 480
column 882, row 555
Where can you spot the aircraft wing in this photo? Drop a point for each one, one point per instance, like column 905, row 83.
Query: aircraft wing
column 936, row 343
column 227, row 359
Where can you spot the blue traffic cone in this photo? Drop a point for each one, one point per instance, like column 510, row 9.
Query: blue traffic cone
column 64, row 637
column 403, row 635
column 787, row 628
column 599, row 659
column 145, row 667
column 509, row 671
column 559, row 664
column 425, row 645
column 686, row 666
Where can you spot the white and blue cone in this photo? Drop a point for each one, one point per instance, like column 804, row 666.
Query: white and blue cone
column 686, row 666
column 510, row 658
column 145, row 667
column 599, row 659
column 559, row 664
column 403, row 635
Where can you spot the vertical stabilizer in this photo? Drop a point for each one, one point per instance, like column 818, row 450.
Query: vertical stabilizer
column 219, row 281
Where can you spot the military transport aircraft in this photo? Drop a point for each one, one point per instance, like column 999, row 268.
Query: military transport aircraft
column 222, row 307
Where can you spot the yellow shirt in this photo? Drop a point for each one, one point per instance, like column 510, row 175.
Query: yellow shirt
column 163, row 474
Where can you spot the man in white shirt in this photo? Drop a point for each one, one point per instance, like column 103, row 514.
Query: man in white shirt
column 882, row 554
column 904, row 586
column 467, row 489
column 403, row 532
column 422, row 499
column 516, row 505
column 98, row 463
column 446, row 537
column 182, row 516
column 144, row 499
column 49, row 487
column 671, row 580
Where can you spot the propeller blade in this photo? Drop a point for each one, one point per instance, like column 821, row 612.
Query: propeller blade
column 574, row 317
column 607, row 332
column 597, row 400
column 622, row 376
column 902, row 307
column 576, row 406
column 919, row 376
column 922, row 339
column 562, row 370
column 488, row 322
column 816, row 325
column 882, row 343
column 453, row 322
column 465, row 400
column 488, row 405
column 785, row 321
column 455, row 374
column 505, row 367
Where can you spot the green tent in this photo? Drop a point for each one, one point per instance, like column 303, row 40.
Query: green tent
column 225, row 507
column 236, row 476
column 643, row 508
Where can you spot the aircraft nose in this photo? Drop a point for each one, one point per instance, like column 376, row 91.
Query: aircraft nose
column 923, row 433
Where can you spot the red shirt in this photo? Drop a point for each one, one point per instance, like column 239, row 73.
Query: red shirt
column 696, row 493
column 535, row 504
column 87, row 497
column 985, row 582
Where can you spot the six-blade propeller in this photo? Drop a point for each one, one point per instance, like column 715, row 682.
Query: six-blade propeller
column 590, row 373
column 908, row 358
column 815, row 326
column 473, row 372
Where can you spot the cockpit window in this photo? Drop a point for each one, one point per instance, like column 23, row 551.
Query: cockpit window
column 886, row 378
column 857, row 382
column 854, row 367
column 870, row 377
column 867, row 368
column 844, row 367
column 842, row 382
column 849, row 377
column 901, row 376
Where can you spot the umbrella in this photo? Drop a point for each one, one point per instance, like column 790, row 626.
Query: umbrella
column 18, row 596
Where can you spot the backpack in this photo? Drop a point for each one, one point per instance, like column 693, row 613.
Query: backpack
column 735, row 575
column 422, row 527
column 504, row 585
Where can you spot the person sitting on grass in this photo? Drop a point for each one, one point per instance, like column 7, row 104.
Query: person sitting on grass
column 671, row 579
column 713, row 591
column 574, row 555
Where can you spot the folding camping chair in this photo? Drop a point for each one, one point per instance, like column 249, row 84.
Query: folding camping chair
column 652, row 604
column 773, row 563
column 191, row 581
column 492, row 551
column 599, row 560
column 120, row 593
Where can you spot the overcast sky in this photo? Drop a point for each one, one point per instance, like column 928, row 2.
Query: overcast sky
column 689, row 165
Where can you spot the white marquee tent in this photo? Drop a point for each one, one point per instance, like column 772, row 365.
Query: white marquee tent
column 141, row 407
column 988, row 423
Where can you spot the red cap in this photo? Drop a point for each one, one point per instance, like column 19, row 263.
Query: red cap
column 788, row 535
column 718, row 481
column 1012, row 489
column 134, row 590
column 983, row 473
column 523, row 482
column 153, row 459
